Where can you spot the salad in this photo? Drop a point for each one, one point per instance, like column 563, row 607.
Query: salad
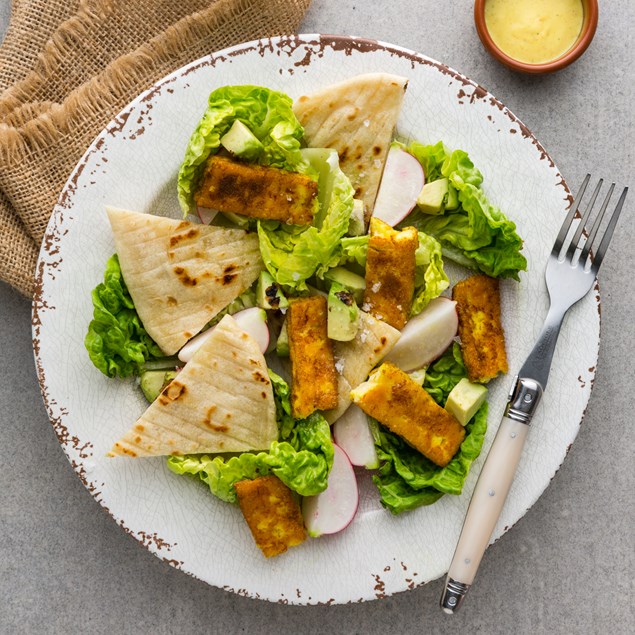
column 303, row 291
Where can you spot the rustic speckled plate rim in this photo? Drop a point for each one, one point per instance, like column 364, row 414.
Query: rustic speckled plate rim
column 285, row 579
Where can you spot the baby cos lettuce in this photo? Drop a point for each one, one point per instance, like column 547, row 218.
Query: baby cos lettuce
column 291, row 253
column 477, row 234
column 267, row 113
column 116, row 341
column 406, row 479
column 301, row 459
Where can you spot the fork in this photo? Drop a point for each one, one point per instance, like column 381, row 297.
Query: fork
column 571, row 270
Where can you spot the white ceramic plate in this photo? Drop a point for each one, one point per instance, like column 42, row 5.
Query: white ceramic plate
column 133, row 164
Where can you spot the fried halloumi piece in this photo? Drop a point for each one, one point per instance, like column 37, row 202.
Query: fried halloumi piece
column 313, row 374
column 272, row 513
column 480, row 329
column 406, row 409
column 390, row 272
column 257, row 191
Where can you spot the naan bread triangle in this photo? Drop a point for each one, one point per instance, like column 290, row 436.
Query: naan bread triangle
column 181, row 274
column 222, row 401
column 357, row 118
column 355, row 359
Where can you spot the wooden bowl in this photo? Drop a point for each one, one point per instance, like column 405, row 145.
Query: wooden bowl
column 587, row 32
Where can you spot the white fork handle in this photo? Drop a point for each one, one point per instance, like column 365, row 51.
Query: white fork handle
column 485, row 507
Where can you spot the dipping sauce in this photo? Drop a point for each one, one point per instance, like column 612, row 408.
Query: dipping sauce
column 534, row 31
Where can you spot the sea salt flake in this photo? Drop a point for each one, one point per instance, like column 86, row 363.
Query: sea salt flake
column 376, row 287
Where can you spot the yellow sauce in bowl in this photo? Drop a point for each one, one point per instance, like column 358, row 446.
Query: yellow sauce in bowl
column 534, row 31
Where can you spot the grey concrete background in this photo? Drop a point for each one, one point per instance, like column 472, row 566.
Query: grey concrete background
column 567, row 567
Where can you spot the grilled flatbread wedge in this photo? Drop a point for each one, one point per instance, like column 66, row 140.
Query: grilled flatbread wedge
column 357, row 118
column 181, row 274
column 355, row 359
column 222, row 401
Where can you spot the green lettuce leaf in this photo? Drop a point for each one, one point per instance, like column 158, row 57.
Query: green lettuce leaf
column 269, row 116
column 406, row 479
column 293, row 254
column 477, row 234
column 430, row 277
column 116, row 341
column 302, row 460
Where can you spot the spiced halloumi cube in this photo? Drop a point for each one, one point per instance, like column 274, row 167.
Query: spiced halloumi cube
column 405, row 408
column 390, row 272
column 272, row 513
column 313, row 374
column 257, row 191
column 480, row 328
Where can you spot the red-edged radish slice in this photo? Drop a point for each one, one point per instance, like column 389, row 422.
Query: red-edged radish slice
column 206, row 214
column 352, row 434
column 252, row 320
column 333, row 509
column 426, row 335
column 400, row 185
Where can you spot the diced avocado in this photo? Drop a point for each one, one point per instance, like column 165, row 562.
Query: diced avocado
column 343, row 314
column 154, row 381
column 268, row 293
column 232, row 220
column 356, row 225
column 432, row 198
column 352, row 282
column 418, row 375
column 282, row 345
column 465, row 399
column 241, row 141
column 453, row 198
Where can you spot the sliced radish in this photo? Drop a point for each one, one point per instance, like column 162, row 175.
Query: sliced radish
column 400, row 185
column 333, row 509
column 426, row 335
column 206, row 214
column 252, row 320
column 352, row 434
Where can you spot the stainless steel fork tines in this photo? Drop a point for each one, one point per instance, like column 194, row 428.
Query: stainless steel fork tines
column 571, row 270
column 579, row 249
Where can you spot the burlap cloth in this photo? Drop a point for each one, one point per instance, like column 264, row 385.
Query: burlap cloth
column 68, row 66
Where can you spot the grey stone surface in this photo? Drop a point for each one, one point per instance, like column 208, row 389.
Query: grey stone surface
column 566, row 567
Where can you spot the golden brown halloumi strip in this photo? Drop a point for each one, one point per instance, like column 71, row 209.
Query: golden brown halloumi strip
column 406, row 409
column 257, row 191
column 390, row 272
column 480, row 328
column 313, row 374
column 272, row 513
